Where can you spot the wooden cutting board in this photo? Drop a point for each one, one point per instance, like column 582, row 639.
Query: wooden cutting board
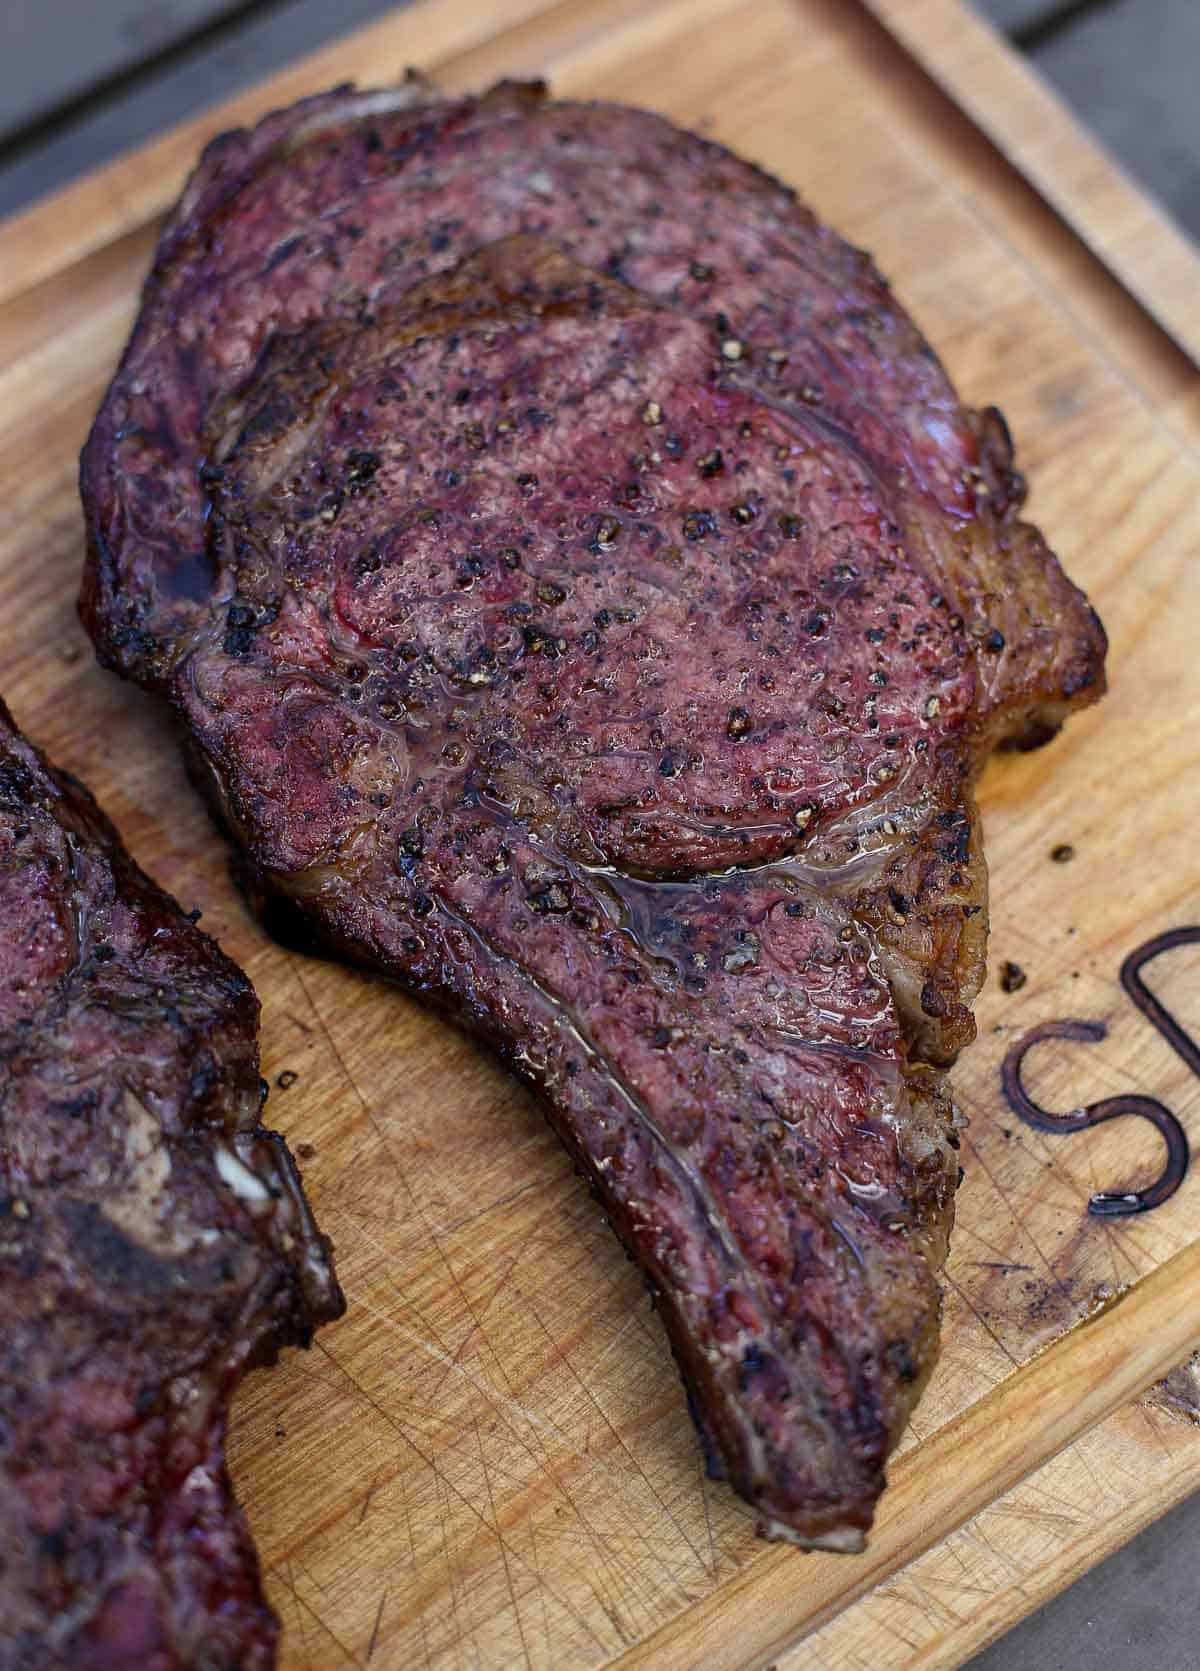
column 488, row 1462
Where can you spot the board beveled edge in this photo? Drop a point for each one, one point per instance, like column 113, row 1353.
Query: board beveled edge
column 1028, row 1588
column 1038, row 1410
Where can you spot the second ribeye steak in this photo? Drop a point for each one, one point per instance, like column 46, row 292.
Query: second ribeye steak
column 155, row 1243
column 589, row 605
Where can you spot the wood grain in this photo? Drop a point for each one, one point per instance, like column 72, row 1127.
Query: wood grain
column 488, row 1463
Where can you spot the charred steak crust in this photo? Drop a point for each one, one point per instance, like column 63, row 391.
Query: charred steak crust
column 154, row 1243
column 590, row 604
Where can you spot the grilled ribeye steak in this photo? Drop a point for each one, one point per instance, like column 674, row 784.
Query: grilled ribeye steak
column 589, row 604
column 154, row 1243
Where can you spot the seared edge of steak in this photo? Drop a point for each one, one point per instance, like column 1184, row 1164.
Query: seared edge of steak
column 155, row 1242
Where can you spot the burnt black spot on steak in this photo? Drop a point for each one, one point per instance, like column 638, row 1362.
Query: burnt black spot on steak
column 698, row 524
column 240, row 629
column 111, row 1256
column 711, row 463
column 957, row 846
column 543, row 641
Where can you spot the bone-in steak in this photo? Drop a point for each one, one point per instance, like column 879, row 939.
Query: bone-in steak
column 589, row 604
column 154, row 1243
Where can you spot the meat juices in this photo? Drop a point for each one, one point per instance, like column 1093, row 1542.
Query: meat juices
column 154, row 1243
column 589, row 605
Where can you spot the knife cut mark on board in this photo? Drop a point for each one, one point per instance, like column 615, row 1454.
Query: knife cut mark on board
column 375, row 1627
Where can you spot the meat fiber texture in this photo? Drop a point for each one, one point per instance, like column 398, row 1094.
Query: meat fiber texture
column 589, row 605
column 154, row 1243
